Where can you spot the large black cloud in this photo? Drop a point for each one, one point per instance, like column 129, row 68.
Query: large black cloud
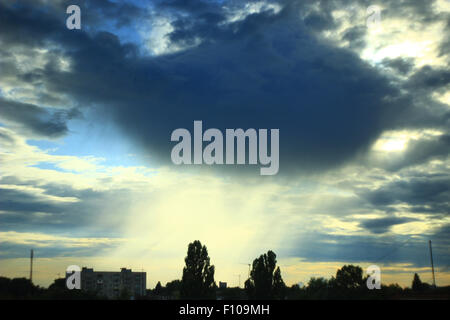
column 266, row 71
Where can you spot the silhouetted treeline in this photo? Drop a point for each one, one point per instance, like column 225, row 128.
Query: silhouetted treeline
column 23, row 289
column 265, row 282
column 316, row 289
column 348, row 283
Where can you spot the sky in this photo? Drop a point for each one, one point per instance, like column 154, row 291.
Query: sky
column 362, row 108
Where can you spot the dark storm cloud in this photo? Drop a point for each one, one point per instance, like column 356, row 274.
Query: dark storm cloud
column 441, row 242
column 267, row 72
column 193, row 19
column 417, row 152
column 29, row 211
column 422, row 151
column 320, row 20
column 444, row 47
column 39, row 121
column 321, row 247
column 95, row 13
column 6, row 138
column 420, row 192
column 54, row 248
column 19, row 201
column 383, row 225
column 427, row 77
column 401, row 65
column 118, row 13
column 355, row 37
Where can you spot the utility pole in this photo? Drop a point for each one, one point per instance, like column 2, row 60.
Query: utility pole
column 432, row 265
column 31, row 266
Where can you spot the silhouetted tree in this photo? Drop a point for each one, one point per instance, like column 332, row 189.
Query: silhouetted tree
column 19, row 288
column 349, row 277
column 318, row 288
column 417, row 284
column 4, row 288
column 278, row 286
column 391, row 291
column 198, row 275
column 265, row 281
column 158, row 289
column 173, row 289
column 295, row 292
column 58, row 291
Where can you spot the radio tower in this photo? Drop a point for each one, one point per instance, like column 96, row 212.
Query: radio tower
column 31, row 266
column 432, row 265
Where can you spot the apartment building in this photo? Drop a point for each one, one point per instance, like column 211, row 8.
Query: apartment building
column 114, row 284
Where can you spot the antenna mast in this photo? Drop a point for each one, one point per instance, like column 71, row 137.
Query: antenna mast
column 31, row 265
column 432, row 265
